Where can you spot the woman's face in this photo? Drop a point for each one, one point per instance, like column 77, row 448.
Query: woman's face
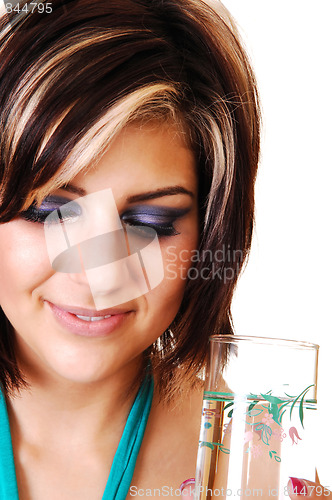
column 87, row 325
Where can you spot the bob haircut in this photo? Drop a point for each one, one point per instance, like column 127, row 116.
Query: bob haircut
column 71, row 79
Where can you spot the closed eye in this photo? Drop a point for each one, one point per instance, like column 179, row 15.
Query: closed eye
column 145, row 220
column 64, row 210
column 159, row 219
column 147, row 230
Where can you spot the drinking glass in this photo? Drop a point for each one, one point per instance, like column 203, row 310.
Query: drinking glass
column 258, row 417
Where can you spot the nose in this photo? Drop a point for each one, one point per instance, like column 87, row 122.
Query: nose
column 94, row 251
column 117, row 282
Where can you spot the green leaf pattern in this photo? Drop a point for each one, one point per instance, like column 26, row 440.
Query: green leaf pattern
column 276, row 409
column 277, row 406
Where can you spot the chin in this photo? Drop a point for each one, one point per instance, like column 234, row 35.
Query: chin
column 80, row 372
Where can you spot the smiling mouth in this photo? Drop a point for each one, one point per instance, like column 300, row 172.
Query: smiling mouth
column 93, row 318
column 88, row 322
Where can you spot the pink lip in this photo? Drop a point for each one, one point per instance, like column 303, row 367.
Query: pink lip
column 66, row 316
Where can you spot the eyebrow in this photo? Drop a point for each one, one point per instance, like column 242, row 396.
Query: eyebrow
column 159, row 193
column 74, row 189
column 149, row 195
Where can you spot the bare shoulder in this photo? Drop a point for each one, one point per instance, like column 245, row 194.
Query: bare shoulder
column 169, row 449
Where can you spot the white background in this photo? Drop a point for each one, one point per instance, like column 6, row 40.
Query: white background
column 285, row 289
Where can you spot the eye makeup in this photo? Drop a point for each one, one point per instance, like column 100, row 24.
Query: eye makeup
column 161, row 219
column 50, row 204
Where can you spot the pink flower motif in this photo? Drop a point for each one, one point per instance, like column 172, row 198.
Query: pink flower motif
column 256, row 450
column 248, row 436
column 294, row 435
column 227, row 428
column 268, row 419
column 279, row 434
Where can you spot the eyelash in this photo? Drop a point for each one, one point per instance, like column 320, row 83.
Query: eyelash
column 39, row 215
column 162, row 230
column 32, row 214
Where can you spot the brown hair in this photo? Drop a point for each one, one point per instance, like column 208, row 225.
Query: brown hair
column 71, row 79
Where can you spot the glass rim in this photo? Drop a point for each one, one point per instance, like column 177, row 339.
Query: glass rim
column 292, row 343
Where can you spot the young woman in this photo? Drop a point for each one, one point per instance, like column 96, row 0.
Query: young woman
column 129, row 148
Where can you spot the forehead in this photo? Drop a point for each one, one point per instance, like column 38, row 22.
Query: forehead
column 143, row 156
column 154, row 103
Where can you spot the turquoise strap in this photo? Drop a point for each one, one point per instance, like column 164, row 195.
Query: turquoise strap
column 8, row 483
column 123, row 466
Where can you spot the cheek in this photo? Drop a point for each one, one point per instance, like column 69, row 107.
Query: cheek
column 178, row 257
column 24, row 261
column 166, row 299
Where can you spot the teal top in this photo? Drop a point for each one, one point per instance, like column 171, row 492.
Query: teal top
column 123, row 465
column 8, row 484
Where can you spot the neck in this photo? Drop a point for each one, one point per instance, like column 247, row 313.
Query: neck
column 88, row 412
